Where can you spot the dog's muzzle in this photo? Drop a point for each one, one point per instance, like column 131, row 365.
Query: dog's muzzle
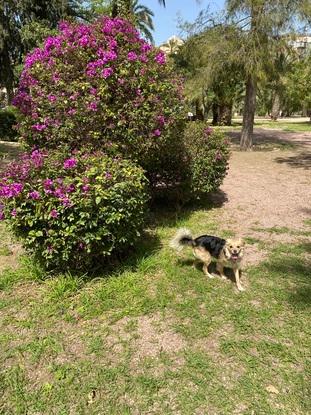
column 235, row 256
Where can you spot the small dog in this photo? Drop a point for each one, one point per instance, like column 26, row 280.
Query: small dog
column 228, row 253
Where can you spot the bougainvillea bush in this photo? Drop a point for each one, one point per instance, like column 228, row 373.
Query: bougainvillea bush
column 100, row 85
column 72, row 210
column 207, row 157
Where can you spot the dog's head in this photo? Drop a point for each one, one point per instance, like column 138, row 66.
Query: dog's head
column 234, row 249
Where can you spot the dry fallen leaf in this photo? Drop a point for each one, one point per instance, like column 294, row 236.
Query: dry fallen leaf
column 91, row 396
column 272, row 389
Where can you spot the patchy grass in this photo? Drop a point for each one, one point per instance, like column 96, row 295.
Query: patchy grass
column 282, row 124
column 283, row 230
column 156, row 336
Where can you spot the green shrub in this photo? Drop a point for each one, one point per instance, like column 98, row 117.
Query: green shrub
column 207, row 157
column 72, row 210
column 7, row 122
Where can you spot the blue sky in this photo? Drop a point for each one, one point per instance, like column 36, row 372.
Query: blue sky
column 165, row 19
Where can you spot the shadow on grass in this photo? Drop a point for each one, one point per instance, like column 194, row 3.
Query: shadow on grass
column 9, row 151
column 192, row 263
column 296, row 268
column 301, row 160
column 164, row 214
column 266, row 140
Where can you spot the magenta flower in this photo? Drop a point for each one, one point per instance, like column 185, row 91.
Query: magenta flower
column 52, row 98
column 84, row 41
column 39, row 127
column 59, row 193
column 107, row 72
column 70, row 163
column 86, row 187
column 161, row 119
column 132, row 56
column 66, row 202
column 54, row 213
column 92, row 106
column 13, row 212
column 34, row 195
column 71, row 188
column 160, row 58
column 72, row 111
column 157, row 132
column 47, row 183
column 146, row 47
column 208, row 131
column 108, row 175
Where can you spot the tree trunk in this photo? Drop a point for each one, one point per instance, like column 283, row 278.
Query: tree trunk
column 7, row 75
column 215, row 113
column 199, row 114
column 276, row 104
column 225, row 114
column 246, row 142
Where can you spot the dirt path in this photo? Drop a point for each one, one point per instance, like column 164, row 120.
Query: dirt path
column 267, row 189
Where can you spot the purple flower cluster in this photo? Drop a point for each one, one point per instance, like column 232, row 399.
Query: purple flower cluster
column 70, row 163
column 160, row 58
column 10, row 190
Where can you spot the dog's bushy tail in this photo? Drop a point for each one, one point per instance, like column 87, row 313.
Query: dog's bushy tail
column 182, row 238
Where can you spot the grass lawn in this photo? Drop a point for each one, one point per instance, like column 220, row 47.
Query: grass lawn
column 283, row 124
column 155, row 336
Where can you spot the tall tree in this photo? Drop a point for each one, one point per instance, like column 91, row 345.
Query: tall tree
column 266, row 22
column 123, row 7
column 14, row 17
column 213, row 74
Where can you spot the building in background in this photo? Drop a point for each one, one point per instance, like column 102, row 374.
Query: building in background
column 171, row 46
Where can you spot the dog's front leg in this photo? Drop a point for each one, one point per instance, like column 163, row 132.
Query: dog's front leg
column 237, row 279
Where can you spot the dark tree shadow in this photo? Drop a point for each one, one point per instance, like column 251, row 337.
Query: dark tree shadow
column 299, row 270
column 9, row 151
column 193, row 263
column 161, row 214
column 301, row 160
column 265, row 140
column 168, row 214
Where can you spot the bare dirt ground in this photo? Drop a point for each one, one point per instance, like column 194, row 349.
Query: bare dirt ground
column 269, row 187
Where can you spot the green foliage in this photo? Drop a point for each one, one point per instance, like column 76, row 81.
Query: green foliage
column 208, row 154
column 7, row 122
column 22, row 23
column 73, row 211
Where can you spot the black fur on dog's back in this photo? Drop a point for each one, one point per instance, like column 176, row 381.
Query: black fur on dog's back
column 212, row 244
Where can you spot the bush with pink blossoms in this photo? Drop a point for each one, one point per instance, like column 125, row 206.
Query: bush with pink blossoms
column 101, row 85
column 73, row 210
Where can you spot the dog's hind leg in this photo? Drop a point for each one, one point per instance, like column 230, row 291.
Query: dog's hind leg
column 205, row 270
column 205, row 257
column 220, row 269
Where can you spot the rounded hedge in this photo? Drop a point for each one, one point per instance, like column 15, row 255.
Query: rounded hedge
column 71, row 210
column 8, row 121
column 208, row 154
column 100, row 85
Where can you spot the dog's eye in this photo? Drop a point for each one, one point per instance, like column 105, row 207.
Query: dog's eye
column 238, row 246
column 231, row 246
